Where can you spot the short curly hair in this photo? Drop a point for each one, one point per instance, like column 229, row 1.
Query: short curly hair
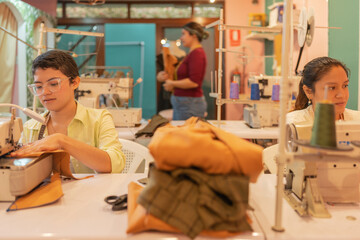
column 58, row 60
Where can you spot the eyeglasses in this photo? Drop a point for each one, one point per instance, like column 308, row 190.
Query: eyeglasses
column 53, row 85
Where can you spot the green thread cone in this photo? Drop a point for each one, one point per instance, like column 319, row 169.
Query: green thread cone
column 324, row 131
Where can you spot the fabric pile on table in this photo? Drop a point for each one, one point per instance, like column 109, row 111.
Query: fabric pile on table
column 199, row 184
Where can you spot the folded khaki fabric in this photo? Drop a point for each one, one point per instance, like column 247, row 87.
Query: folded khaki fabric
column 139, row 220
column 199, row 144
column 149, row 130
column 193, row 201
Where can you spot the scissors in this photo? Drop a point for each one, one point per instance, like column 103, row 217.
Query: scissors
column 118, row 202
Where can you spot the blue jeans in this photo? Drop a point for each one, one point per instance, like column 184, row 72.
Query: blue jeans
column 186, row 107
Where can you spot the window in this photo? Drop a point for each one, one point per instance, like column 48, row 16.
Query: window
column 59, row 9
column 100, row 11
column 84, row 52
column 207, row 10
column 160, row 11
column 139, row 10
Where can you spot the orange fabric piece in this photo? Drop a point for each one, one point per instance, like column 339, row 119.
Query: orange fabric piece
column 139, row 220
column 199, row 144
column 43, row 195
column 50, row 192
column 169, row 62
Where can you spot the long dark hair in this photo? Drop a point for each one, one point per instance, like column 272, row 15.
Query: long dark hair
column 313, row 71
column 195, row 28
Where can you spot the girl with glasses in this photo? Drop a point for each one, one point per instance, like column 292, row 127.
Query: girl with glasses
column 87, row 134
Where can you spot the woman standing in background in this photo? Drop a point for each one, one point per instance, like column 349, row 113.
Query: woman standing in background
column 188, row 99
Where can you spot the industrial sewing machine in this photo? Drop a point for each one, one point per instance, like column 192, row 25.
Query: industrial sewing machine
column 263, row 115
column 91, row 89
column 324, row 175
column 18, row 176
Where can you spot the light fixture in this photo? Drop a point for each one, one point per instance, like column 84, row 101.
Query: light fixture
column 211, row 1
column 28, row 112
column 90, row 2
column 163, row 41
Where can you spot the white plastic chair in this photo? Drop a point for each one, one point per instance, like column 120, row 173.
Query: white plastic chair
column 167, row 113
column 135, row 153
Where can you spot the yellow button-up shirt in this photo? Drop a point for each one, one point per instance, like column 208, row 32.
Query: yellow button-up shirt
column 91, row 126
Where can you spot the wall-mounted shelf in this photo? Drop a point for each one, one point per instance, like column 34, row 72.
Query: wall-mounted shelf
column 269, row 35
column 260, row 36
column 247, row 101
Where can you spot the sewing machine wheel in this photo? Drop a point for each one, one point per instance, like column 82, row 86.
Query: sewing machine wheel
column 311, row 31
column 302, row 28
column 291, row 135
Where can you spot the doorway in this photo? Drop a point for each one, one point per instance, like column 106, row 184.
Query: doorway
column 173, row 34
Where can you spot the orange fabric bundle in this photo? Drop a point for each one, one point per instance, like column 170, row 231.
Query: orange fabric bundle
column 169, row 62
column 199, row 144
column 195, row 144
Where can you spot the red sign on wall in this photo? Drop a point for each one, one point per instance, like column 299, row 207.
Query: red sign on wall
column 234, row 38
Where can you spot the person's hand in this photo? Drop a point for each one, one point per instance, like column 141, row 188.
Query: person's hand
column 162, row 76
column 168, row 85
column 49, row 143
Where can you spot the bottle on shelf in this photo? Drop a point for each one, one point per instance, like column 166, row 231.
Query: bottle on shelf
column 234, row 86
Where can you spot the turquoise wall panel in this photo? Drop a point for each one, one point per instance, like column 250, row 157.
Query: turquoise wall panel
column 86, row 46
column 344, row 42
column 130, row 55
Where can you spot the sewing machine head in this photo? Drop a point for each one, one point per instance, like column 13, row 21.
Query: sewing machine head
column 91, row 89
column 10, row 129
column 266, row 84
column 18, row 176
column 113, row 93
column 346, row 132
column 261, row 115
column 329, row 177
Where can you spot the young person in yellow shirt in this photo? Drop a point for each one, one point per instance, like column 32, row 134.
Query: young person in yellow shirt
column 87, row 134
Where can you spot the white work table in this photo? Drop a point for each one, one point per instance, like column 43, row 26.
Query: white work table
column 238, row 128
column 339, row 226
column 82, row 214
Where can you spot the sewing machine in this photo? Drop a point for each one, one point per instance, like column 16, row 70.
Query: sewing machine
column 91, row 89
column 323, row 175
column 262, row 115
column 266, row 84
column 18, row 176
